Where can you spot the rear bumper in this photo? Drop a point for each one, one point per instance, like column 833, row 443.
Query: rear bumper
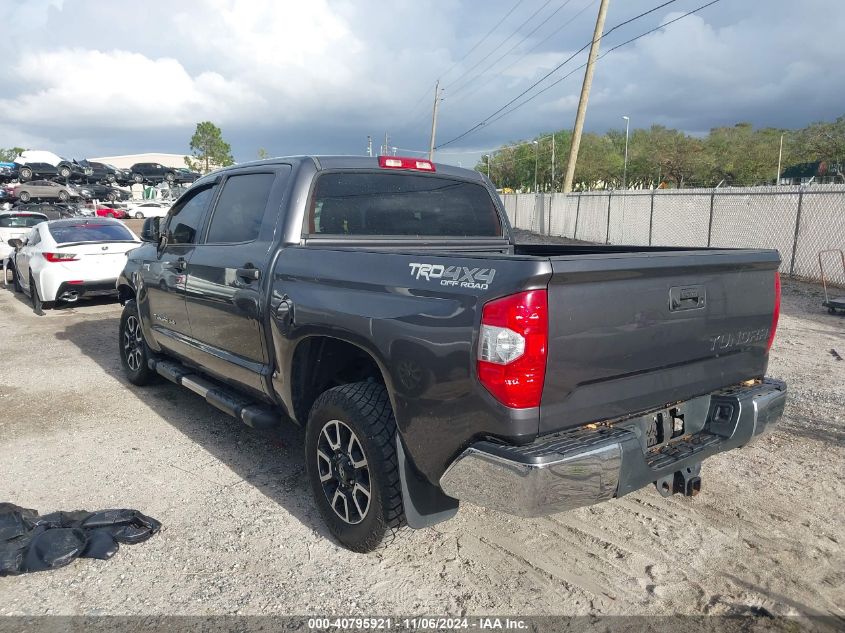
column 72, row 292
column 585, row 466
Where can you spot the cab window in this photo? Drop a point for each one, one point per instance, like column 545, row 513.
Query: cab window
column 186, row 218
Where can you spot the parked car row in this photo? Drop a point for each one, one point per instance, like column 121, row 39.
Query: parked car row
column 44, row 165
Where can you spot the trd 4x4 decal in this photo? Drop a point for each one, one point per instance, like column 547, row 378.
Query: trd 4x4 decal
column 461, row 276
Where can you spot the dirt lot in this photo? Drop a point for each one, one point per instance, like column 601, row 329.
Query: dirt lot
column 241, row 535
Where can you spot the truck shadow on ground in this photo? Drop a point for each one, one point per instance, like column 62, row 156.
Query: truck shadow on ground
column 272, row 461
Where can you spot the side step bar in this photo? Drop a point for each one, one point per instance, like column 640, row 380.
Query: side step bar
column 254, row 414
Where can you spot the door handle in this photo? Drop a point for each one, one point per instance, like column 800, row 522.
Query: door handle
column 248, row 273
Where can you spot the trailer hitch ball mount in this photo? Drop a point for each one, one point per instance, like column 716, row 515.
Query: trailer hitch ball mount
column 686, row 481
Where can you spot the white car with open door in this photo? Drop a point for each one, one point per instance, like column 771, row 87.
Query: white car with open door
column 66, row 260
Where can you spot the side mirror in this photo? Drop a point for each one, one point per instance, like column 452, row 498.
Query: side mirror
column 15, row 243
column 151, row 232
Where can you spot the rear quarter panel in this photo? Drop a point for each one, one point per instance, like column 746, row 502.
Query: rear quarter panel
column 421, row 333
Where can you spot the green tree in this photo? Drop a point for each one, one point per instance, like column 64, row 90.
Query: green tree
column 8, row 155
column 208, row 148
column 263, row 154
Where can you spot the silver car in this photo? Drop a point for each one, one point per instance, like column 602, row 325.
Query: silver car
column 44, row 190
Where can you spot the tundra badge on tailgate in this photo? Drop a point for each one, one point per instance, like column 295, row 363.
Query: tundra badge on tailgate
column 478, row 278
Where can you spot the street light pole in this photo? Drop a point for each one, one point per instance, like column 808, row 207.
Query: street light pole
column 625, row 168
column 780, row 157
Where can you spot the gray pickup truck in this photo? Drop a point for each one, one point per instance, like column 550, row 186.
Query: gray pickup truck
column 383, row 305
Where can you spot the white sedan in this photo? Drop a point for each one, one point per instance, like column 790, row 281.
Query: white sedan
column 65, row 260
column 148, row 209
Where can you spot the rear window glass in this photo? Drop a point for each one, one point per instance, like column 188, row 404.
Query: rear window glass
column 401, row 204
column 90, row 232
column 20, row 221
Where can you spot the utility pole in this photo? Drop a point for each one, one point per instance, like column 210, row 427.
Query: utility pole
column 434, row 119
column 487, row 156
column 536, row 162
column 625, row 168
column 385, row 149
column 585, row 96
column 553, row 162
column 780, row 157
column 369, row 145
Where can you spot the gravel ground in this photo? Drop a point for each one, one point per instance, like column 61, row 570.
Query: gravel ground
column 241, row 535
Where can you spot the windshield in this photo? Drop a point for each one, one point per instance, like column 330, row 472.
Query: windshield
column 90, row 232
column 20, row 221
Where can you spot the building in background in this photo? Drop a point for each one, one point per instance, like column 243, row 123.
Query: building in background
column 127, row 160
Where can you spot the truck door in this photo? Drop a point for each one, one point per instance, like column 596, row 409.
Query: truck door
column 227, row 272
column 164, row 277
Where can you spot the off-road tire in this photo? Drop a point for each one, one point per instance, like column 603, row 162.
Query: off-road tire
column 136, row 368
column 363, row 407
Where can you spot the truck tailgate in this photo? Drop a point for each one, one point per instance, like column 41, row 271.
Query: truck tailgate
column 634, row 331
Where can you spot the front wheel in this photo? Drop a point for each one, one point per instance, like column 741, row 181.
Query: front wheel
column 138, row 178
column 25, row 173
column 64, row 196
column 139, row 215
column 134, row 353
column 350, row 456
column 25, row 196
column 64, row 172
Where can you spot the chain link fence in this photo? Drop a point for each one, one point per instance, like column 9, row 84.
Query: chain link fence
column 800, row 222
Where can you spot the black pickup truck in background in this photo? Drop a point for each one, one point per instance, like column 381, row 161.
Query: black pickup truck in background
column 382, row 304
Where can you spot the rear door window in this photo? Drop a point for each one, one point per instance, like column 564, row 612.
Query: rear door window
column 401, row 204
column 240, row 209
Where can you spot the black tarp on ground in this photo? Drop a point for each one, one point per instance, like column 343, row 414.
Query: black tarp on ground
column 29, row 542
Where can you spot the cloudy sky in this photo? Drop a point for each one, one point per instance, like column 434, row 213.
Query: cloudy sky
column 89, row 77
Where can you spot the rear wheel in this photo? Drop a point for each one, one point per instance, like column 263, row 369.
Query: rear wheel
column 134, row 352
column 63, row 195
column 170, row 176
column 139, row 215
column 25, row 196
column 138, row 178
column 64, row 172
column 350, row 456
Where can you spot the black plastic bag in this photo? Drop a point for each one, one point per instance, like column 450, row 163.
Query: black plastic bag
column 29, row 542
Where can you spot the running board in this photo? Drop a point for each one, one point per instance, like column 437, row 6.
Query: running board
column 254, row 414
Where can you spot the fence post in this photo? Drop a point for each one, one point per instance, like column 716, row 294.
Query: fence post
column 577, row 213
column 710, row 225
column 797, row 225
column 609, row 197
column 651, row 216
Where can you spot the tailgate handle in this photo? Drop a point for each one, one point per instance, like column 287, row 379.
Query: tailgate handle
column 686, row 298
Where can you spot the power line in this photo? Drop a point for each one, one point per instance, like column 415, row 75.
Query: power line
column 607, row 52
column 558, row 67
column 422, row 97
column 511, row 49
column 502, row 43
column 535, row 47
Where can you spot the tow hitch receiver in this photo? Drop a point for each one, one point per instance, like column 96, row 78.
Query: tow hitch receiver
column 686, row 482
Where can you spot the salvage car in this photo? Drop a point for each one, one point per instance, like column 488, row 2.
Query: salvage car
column 67, row 260
column 8, row 172
column 101, row 191
column 44, row 190
column 111, row 212
column 383, row 305
column 43, row 164
column 100, row 172
column 153, row 173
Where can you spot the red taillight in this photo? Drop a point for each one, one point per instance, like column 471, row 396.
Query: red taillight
column 775, row 314
column 512, row 348
column 398, row 162
column 60, row 257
